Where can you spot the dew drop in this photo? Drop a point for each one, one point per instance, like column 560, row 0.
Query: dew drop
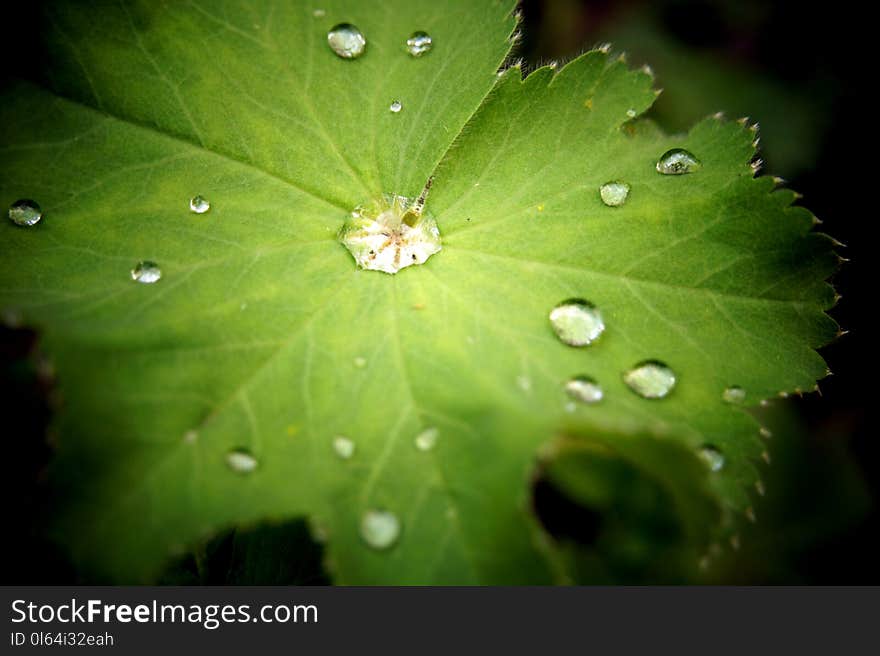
column 395, row 106
column 25, row 212
column 577, row 322
column 380, row 528
column 677, row 161
column 734, row 394
column 631, row 113
column 650, row 379
column 146, row 272
column 199, row 204
column 524, row 383
column 419, row 43
column 343, row 446
column 426, row 440
column 360, row 362
column 584, row 389
column 241, row 461
column 319, row 13
column 614, row 194
column 391, row 233
column 713, row 457
column 346, row 41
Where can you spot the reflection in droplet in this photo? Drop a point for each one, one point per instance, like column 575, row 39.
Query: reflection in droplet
column 343, row 447
column 419, row 43
column 25, row 212
column 677, row 161
column 713, row 457
column 199, row 204
column 395, row 106
column 380, row 528
column 734, row 394
column 146, row 272
column 650, row 379
column 346, row 41
column 426, row 440
column 614, row 194
column 241, row 461
column 584, row 389
column 577, row 322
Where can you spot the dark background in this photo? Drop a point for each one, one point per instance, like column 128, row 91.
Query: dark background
column 807, row 74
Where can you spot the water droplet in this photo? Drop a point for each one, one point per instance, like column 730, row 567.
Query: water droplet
column 577, row 322
column 346, row 41
column 584, row 389
column 25, row 212
column 419, row 43
column 713, row 457
column 426, row 440
column 391, row 234
column 343, row 446
column 319, row 13
column 614, row 193
column 677, row 161
column 524, row 383
column 380, row 528
column 395, row 106
column 734, row 394
column 650, row 379
column 146, row 272
column 631, row 113
column 199, row 204
column 241, row 461
column 360, row 362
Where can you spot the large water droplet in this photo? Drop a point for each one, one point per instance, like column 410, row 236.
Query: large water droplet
column 614, row 193
column 199, row 204
column 395, row 106
column 380, row 528
column 241, row 461
column 584, row 389
column 146, row 272
column 390, row 234
column 426, row 440
column 577, row 322
column 712, row 456
column 734, row 394
column 343, row 446
column 25, row 212
column 677, row 161
column 346, row 41
column 419, row 43
column 650, row 379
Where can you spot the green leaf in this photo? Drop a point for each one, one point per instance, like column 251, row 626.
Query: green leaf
column 263, row 335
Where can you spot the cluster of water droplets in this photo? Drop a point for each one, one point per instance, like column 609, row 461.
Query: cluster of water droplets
column 348, row 42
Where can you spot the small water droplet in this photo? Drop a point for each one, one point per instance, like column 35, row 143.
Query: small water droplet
column 713, row 457
column 346, row 41
column 380, row 528
column 650, row 379
column 524, row 383
column 25, row 212
column 319, row 13
column 391, row 233
column 146, row 272
column 614, row 194
column 360, row 362
column 426, row 440
column 631, row 113
column 343, row 446
column 584, row 389
column 395, row 106
column 419, row 43
column 734, row 394
column 577, row 322
column 241, row 461
column 199, row 204
column 677, row 161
